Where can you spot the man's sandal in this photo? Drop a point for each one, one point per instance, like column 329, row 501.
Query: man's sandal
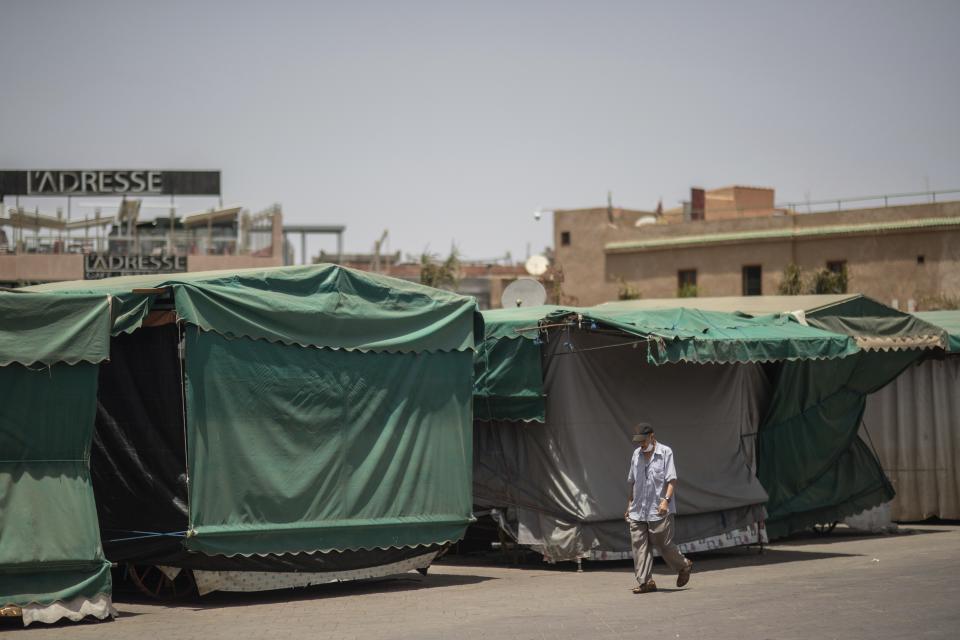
column 647, row 587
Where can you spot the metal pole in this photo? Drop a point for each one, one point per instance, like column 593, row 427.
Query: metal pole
column 339, row 247
column 303, row 247
column 170, row 245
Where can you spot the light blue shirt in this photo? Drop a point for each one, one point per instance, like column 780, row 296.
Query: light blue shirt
column 649, row 481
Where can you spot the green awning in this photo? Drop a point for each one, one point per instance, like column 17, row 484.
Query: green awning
column 46, row 328
column 359, row 310
column 694, row 335
column 508, row 381
column 949, row 321
column 875, row 326
column 508, row 378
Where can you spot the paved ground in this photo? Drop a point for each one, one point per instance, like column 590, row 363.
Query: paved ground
column 899, row 586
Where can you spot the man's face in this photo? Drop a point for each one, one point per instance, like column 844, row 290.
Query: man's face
column 646, row 440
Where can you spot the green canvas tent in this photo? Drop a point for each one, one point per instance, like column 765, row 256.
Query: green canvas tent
column 323, row 417
column 554, row 472
column 825, row 355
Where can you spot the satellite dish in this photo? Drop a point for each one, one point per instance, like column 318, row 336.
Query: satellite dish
column 645, row 220
column 537, row 265
column 523, row 292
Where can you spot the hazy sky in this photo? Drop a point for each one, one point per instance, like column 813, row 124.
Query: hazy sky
column 453, row 121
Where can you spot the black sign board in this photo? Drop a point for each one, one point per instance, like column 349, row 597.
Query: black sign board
column 107, row 265
column 109, row 182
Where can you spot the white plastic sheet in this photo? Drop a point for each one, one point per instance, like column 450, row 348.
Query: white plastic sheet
column 914, row 423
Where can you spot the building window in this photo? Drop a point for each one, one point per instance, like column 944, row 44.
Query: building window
column 921, row 259
column 834, row 280
column 687, row 278
column 753, row 280
column 565, row 238
column 687, row 283
column 837, row 266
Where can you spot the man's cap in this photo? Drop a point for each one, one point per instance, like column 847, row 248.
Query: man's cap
column 641, row 431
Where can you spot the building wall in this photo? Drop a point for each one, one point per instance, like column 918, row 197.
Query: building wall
column 585, row 274
column 738, row 202
column 43, row 267
column 215, row 263
column 883, row 266
column 654, row 273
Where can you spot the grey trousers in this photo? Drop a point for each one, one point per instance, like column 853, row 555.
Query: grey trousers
column 644, row 536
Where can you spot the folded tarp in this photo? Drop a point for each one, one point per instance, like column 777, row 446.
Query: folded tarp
column 810, row 459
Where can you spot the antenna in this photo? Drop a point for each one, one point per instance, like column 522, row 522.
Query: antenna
column 523, row 292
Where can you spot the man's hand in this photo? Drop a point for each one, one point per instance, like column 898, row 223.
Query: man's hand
column 664, row 507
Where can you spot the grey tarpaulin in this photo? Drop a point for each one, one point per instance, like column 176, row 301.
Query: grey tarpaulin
column 914, row 423
column 562, row 485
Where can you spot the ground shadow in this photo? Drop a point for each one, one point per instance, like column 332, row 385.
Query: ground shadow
column 846, row 534
column 705, row 561
column 773, row 553
column 379, row 586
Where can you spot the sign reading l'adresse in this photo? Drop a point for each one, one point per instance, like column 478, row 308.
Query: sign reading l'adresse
column 105, row 265
column 104, row 182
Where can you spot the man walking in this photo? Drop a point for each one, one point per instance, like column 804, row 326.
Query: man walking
column 651, row 509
